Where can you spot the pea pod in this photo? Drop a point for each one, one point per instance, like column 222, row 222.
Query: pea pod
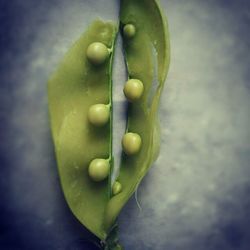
column 80, row 103
column 146, row 45
column 80, row 99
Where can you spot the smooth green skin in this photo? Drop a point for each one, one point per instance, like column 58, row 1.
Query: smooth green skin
column 151, row 32
column 98, row 114
column 133, row 90
column 131, row 143
column 97, row 53
column 99, row 169
column 73, row 89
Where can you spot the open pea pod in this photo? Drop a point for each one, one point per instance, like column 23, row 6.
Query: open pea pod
column 73, row 89
column 147, row 53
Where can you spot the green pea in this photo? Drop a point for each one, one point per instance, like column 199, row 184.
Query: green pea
column 131, row 143
column 129, row 30
column 97, row 53
column 98, row 114
column 99, row 169
column 133, row 89
column 117, row 188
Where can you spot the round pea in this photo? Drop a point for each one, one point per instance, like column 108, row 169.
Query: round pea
column 98, row 114
column 131, row 143
column 99, row 169
column 117, row 188
column 129, row 30
column 133, row 89
column 97, row 53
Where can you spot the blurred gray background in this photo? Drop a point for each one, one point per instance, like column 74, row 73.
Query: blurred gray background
column 196, row 196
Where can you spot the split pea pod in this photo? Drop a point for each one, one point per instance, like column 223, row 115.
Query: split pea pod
column 146, row 46
column 80, row 104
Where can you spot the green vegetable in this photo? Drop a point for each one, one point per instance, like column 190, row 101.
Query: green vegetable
column 117, row 188
column 80, row 104
column 150, row 44
column 133, row 89
column 73, row 89
column 97, row 53
column 129, row 30
column 131, row 143
column 99, row 169
column 98, row 114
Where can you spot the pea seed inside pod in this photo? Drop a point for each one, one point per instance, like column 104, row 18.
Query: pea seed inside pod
column 99, row 169
column 98, row 114
column 131, row 143
column 97, row 53
column 129, row 30
column 116, row 188
column 133, row 90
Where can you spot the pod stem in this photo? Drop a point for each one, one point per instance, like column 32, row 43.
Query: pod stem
column 111, row 242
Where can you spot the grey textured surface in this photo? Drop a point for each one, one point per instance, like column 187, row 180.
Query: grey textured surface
column 196, row 195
